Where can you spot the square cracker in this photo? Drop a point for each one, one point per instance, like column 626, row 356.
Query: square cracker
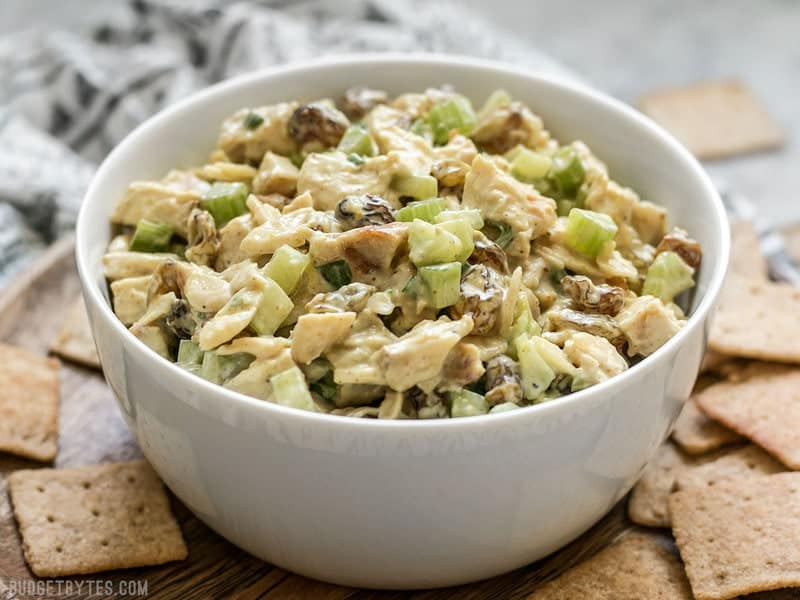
column 746, row 257
column 764, row 408
column 714, row 120
column 739, row 537
column 696, row 433
column 637, row 566
column 94, row 518
column 757, row 319
column 74, row 341
column 29, row 390
column 745, row 461
column 672, row 470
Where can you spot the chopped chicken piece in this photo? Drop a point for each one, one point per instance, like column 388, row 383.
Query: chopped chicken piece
column 230, row 241
column 156, row 202
column 647, row 324
column 248, row 145
column 276, row 175
column 355, row 359
column 503, row 199
column 650, row 221
column 388, row 126
column 315, row 333
column 121, row 265
column 421, row 353
column 130, row 297
column 595, row 357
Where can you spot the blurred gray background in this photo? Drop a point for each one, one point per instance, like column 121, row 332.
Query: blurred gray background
column 625, row 47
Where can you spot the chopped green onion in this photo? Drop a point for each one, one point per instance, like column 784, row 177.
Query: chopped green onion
column 529, row 166
column 356, row 140
column 502, row 233
column 587, row 231
column 297, row 157
column 286, row 267
column 225, row 201
column 289, row 388
column 497, row 99
column 667, row 276
column 432, row 244
column 443, row 283
column 470, row 215
column 456, row 113
column 504, row 407
column 463, row 230
column 272, row 310
column 427, row 210
column 413, row 287
column 151, row 237
column 420, row 187
column 535, row 373
column 356, row 159
column 553, row 356
column 567, row 171
column 253, row 121
column 189, row 353
column 336, row 273
column 464, row 403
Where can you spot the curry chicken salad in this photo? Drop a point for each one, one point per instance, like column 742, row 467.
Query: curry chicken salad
column 397, row 258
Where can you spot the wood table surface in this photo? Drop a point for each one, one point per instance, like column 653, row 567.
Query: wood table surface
column 92, row 431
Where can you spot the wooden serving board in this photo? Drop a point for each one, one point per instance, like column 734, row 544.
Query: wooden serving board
column 32, row 309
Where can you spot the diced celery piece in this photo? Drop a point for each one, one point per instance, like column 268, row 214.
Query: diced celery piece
column 356, row 140
column 219, row 369
column 336, row 273
column 456, row 113
column 535, row 373
column 443, row 283
column 432, row 244
column 567, row 171
column 464, row 403
column 514, row 152
column 286, row 267
column 151, row 237
column 667, row 276
column 297, row 157
column 427, row 210
column 530, row 166
column 587, row 231
column 189, row 353
column 225, row 201
column 356, row 159
column 325, row 386
column 420, row 187
column 470, row 215
column 463, row 230
column 273, row 309
column 497, row 99
column 553, row 356
column 504, row 407
column 524, row 323
column 289, row 388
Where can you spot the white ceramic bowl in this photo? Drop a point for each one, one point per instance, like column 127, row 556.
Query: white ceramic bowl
column 403, row 504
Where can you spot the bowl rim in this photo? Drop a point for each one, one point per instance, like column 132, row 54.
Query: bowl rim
column 597, row 392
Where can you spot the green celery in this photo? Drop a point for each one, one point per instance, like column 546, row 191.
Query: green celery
column 356, row 140
column 289, row 388
column 536, row 373
column 151, row 237
column 463, row 230
column 189, row 353
column 253, row 121
column 530, row 166
column 420, row 187
column 497, row 99
column 587, row 231
column 443, row 282
column 504, row 407
column 464, row 403
column 567, row 171
column 286, row 267
column 432, row 244
column 667, row 276
column 456, row 113
column 225, row 201
column 470, row 215
column 502, row 233
column 427, row 210
column 272, row 310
